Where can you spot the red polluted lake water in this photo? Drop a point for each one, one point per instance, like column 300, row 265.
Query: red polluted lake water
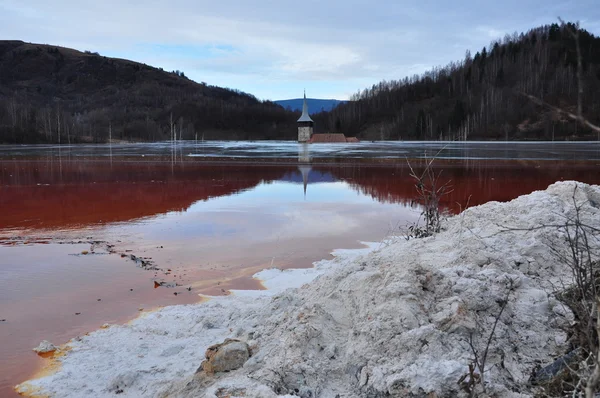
column 90, row 241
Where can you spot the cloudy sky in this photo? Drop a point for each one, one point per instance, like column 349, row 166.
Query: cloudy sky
column 275, row 48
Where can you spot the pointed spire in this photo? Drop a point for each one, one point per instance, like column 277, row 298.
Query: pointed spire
column 304, row 106
column 305, row 116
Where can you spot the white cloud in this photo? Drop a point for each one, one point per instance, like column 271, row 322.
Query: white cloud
column 330, row 47
column 491, row 33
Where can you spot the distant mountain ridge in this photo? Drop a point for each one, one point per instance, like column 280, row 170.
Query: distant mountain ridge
column 315, row 105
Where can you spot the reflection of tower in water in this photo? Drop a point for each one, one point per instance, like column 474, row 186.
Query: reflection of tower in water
column 305, row 171
column 304, row 164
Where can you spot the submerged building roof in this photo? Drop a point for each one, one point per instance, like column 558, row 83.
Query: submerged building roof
column 329, row 137
column 305, row 117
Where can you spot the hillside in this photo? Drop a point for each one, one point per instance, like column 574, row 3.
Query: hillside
column 52, row 94
column 314, row 105
column 480, row 97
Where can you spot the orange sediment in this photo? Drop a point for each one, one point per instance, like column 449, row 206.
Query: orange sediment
column 52, row 364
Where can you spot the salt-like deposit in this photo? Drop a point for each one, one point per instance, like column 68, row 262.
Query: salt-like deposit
column 384, row 320
column 45, row 347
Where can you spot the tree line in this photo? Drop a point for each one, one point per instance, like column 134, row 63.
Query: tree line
column 481, row 97
column 51, row 94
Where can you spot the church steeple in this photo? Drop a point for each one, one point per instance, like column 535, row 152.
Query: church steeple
column 305, row 116
column 305, row 123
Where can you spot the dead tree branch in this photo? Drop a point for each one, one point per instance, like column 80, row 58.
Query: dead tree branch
column 594, row 379
column 579, row 116
column 429, row 191
column 480, row 358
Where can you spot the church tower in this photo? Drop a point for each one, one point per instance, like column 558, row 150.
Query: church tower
column 305, row 124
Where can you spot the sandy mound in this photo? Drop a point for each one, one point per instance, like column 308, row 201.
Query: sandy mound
column 393, row 322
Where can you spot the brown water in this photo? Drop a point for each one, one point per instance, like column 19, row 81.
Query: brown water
column 203, row 228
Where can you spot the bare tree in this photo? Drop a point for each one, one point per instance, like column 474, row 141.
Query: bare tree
column 477, row 367
column 58, row 122
column 430, row 191
column 172, row 127
column 579, row 115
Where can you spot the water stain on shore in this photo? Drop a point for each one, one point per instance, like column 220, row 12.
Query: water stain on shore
column 206, row 228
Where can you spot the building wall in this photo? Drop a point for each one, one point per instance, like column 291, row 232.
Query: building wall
column 304, row 134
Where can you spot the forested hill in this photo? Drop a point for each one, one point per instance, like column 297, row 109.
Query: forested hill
column 52, row 94
column 480, row 96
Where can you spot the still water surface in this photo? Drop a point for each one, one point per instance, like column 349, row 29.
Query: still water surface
column 288, row 150
column 202, row 223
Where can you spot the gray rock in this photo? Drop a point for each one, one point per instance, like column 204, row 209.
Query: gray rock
column 225, row 357
column 556, row 368
column 173, row 350
column 45, row 347
column 122, row 381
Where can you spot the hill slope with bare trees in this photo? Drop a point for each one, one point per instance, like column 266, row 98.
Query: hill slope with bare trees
column 484, row 97
column 54, row 94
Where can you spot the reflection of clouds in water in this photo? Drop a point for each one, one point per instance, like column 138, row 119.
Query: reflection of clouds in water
column 338, row 185
column 206, row 227
column 272, row 211
column 279, row 211
column 302, row 224
column 261, row 224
